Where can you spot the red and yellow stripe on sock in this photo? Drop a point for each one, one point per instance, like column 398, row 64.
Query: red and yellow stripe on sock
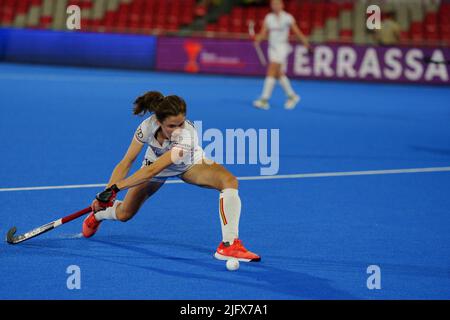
column 222, row 213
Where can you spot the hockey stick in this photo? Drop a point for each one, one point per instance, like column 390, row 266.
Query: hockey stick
column 12, row 239
column 251, row 32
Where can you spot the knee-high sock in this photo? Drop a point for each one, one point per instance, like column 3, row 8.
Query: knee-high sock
column 230, row 212
column 269, row 84
column 108, row 213
column 286, row 85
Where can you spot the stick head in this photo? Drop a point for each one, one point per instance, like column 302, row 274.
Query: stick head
column 10, row 235
column 251, row 28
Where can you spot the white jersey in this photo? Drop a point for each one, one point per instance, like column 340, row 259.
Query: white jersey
column 146, row 134
column 278, row 27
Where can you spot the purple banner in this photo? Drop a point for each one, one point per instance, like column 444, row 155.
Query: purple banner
column 338, row 62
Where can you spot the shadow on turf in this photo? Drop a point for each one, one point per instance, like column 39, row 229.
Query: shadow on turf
column 282, row 281
column 260, row 276
column 436, row 151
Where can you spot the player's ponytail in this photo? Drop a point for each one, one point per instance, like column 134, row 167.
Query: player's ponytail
column 148, row 102
column 162, row 107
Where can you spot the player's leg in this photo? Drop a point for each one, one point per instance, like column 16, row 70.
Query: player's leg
column 269, row 84
column 272, row 74
column 217, row 177
column 121, row 210
column 292, row 97
column 134, row 199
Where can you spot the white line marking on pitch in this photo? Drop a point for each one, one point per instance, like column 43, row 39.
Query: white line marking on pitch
column 282, row 176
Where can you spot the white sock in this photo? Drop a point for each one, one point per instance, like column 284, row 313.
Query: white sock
column 230, row 212
column 108, row 213
column 286, row 85
column 269, row 84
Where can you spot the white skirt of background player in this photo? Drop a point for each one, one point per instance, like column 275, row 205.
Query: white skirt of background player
column 279, row 53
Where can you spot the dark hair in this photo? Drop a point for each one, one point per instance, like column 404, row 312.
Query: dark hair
column 162, row 107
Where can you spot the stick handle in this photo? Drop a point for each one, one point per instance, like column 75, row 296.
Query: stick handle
column 251, row 29
column 260, row 54
column 251, row 32
column 76, row 215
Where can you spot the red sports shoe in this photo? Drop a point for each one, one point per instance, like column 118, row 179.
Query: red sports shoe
column 90, row 225
column 236, row 250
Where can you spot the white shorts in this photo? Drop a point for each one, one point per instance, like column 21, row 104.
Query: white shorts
column 279, row 54
column 173, row 170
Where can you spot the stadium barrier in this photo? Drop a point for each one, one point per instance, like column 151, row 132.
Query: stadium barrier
column 329, row 61
column 220, row 56
column 78, row 48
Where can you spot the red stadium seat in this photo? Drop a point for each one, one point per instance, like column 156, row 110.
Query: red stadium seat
column 45, row 22
column 223, row 24
column 416, row 27
column 306, row 7
column 211, row 27
column 318, row 14
column 8, row 11
column 251, row 14
column 261, row 13
column 172, row 27
column 22, row 7
column 173, row 19
column 186, row 11
column 291, row 6
column 133, row 15
column 444, row 13
column 444, row 29
column 95, row 24
column 404, row 36
column 347, row 6
column 331, row 10
column 416, row 32
column 346, row 35
column 237, row 19
column 431, row 19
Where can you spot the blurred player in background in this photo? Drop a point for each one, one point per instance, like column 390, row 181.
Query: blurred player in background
column 168, row 135
column 277, row 25
column 389, row 34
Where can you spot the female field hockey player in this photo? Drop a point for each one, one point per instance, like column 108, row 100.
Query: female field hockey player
column 172, row 150
column 277, row 24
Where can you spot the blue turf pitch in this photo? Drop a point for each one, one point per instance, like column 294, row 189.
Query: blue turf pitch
column 317, row 236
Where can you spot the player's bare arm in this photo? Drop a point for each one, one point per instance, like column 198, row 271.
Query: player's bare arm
column 146, row 173
column 143, row 175
column 300, row 35
column 123, row 167
column 107, row 197
column 261, row 35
